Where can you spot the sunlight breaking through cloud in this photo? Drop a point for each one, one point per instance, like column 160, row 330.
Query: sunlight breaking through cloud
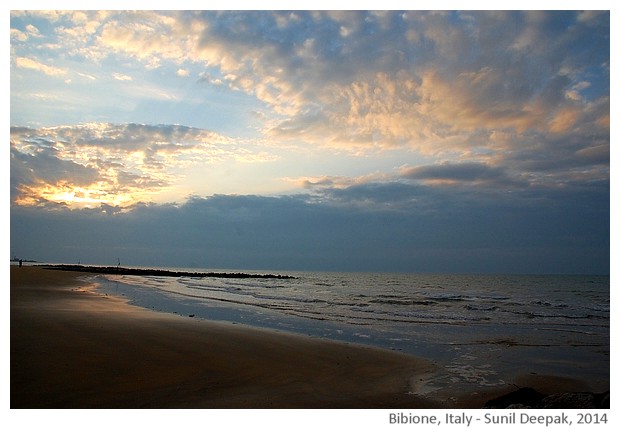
column 112, row 164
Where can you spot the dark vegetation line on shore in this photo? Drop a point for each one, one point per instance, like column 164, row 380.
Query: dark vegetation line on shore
column 163, row 273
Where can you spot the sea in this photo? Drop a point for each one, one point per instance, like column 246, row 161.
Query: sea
column 481, row 330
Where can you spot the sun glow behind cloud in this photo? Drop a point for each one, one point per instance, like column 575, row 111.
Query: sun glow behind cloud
column 73, row 196
column 111, row 164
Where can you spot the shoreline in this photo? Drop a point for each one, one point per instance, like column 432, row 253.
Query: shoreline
column 72, row 347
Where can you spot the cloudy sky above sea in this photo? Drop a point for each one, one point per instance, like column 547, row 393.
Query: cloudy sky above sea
column 424, row 141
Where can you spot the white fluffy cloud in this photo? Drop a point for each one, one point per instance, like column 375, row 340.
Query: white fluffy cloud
column 29, row 63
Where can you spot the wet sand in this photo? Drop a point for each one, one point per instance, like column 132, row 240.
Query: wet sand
column 74, row 348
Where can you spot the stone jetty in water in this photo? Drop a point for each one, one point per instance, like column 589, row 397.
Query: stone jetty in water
column 162, row 273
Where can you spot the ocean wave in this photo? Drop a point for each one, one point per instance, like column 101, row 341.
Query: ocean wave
column 396, row 302
column 474, row 307
column 401, row 301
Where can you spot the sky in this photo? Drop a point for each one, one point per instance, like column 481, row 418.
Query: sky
column 417, row 141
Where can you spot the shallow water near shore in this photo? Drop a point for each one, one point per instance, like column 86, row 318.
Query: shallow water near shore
column 483, row 330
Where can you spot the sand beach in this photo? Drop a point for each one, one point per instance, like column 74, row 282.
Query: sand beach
column 75, row 347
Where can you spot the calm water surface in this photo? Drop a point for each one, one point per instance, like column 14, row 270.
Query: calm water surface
column 481, row 328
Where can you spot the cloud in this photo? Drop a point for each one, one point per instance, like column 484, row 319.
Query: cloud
column 466, row 83
column 19, row 35
column 436, row 230
column 28, row 63
column 30, row 171
column 469, row 172
column 87, row 76
column 121, row 77
column 337, row 182
column 144, row 35
column 113, row 164
column 366, row 80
